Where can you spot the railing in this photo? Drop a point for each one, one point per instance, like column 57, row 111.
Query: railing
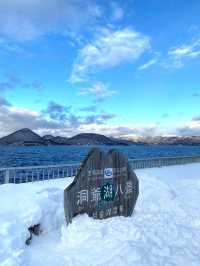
column 163, row 161
column 39, row 173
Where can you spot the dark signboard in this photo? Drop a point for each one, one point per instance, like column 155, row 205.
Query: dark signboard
column 105, row 186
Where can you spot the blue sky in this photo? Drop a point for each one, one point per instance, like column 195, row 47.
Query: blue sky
column 121, row 68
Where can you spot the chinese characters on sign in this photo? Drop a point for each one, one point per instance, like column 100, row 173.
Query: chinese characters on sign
column 105, row 186
column 107, row 192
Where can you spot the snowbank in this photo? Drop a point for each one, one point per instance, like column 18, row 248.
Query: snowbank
column 164, row 229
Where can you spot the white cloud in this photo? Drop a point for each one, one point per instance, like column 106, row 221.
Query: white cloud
column 13, row 118
column 99, row 90
column 68, row 123
column 177, row 55
column 148, row 64
column 29, row 19
column 191, row 128
column 109, row 48
column 122, row 130
column 22, row 111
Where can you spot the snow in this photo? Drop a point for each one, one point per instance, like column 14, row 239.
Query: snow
column 163, row 230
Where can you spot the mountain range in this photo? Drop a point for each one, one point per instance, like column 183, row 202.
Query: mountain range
column 26, row 137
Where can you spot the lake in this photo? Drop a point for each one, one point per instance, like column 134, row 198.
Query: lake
column 50, row 155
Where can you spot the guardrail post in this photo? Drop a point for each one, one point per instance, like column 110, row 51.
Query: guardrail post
column 7, row 176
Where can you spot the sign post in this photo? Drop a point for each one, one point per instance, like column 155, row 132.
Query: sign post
column 105, row 186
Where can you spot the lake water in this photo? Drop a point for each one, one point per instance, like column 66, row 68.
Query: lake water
column 29, row 156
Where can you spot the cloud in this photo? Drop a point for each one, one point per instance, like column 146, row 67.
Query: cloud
column 56, row 107
column 196, row 118
column 57, row 111
column 56, row 119
column 13, row 81
column 148, row 64
column 93, row 119
column 65, row 114
column 23, row 20
column 191, row 128
column 4, row 102
column 177, row 55
column 99, row 90
column 13, row 118
column 92, row 108
column 122, row 130
column 98, row 119
column 107, row 116
column 109, row 48
column 61, row 120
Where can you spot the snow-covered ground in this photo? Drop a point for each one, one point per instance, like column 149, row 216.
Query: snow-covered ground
column 164, row 229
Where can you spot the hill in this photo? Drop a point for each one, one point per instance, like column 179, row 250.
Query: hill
column 23, row 137
column 94, row 139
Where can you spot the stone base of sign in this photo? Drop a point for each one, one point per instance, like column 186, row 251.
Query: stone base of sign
column 105, row 186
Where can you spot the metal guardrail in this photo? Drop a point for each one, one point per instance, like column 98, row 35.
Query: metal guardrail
column 163, row 161
column 38, row 173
